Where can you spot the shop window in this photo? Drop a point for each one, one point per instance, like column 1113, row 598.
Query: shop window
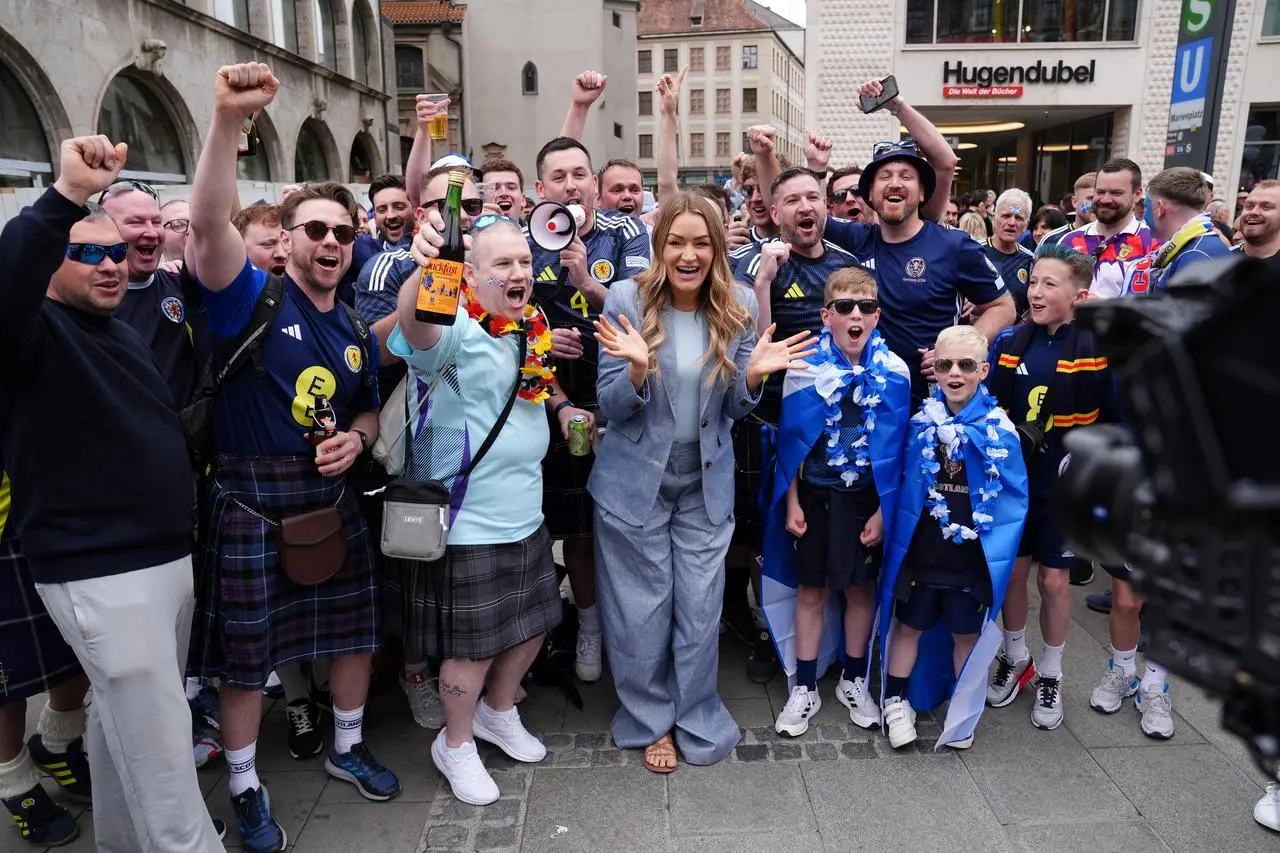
column 1000, row 21
column 1261, row 158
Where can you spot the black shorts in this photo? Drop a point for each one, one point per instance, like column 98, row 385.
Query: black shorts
column 566, row 504
column 1042, row 540
column 1120, row 572
column 830, row 554
column 959, row 609
column 751, row 467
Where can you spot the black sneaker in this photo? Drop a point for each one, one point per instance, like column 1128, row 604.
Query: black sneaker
column 305, row 740
column 41, row 820
column 1081, row 574
column 69, row 769
column 220, row 827
column 763, row 663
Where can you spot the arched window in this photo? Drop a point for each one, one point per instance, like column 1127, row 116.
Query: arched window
column 133, row 113
column 364, row 56
column 258, row 166
column 25, row 157
column 326, row 38
column 309, row 160
column 410, row 73
column 364, row 159
column 284, row 24
column 529, row 79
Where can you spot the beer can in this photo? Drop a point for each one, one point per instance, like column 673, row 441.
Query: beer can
column 579, row 436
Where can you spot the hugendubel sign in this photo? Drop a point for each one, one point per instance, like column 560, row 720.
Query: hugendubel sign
column 1006, row 81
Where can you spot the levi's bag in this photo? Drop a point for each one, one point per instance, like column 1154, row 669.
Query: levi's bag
column 415, row 514
column 312, row 547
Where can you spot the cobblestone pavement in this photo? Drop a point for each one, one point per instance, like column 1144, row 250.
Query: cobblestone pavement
column 1095, row 784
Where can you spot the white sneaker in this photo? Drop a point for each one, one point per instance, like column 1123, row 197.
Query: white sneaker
column 802, row 705
column 863, row 710
column 900, row 717
column 1157, row 711
column 1046, row 713
column 468, row 779
column 588, row 662
column 505, row 731
column 1112, row 690
column 424, row 700
column 1267, row 811
column 961, row 744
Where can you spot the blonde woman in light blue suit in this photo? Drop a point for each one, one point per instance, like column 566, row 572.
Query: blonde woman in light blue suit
column 663, row 479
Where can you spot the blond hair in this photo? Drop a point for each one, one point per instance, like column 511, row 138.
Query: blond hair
column 964, row 336
column 974, row 225
column 850, row 281
column 726, row 318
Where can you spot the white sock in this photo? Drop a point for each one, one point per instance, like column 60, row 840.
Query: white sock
column 242, row 764
column 58, row 728
column 589, row 620
column 1154, row 676
column 347, row 728
column 496, row 715
column 1126, row 662
column 193, row 688
column 1015, row 645
column 18, row 776
column 1050, row 663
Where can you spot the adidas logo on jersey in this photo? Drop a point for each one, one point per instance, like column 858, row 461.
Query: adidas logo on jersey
column 546, row 275
column 795, row 291
column 294, row 331
column 1021, row 369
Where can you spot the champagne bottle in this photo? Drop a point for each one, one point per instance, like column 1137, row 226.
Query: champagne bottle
column 441, row 281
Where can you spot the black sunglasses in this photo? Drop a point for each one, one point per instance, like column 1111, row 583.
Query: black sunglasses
column 125, row 185
column 846, row 306
column 966, row 365
column 316, row 230
column 907, row 146
column 470, row 206
column 847, row 192
column 93, row 253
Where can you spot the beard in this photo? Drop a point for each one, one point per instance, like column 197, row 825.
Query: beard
column 1110, row 216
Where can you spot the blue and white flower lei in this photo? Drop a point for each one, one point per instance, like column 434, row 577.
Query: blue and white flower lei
column 865, row 384
column 937, row 427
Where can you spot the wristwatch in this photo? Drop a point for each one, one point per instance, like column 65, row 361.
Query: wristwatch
column 364, row 440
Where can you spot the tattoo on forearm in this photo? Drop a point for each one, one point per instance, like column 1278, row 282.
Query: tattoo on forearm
column 452, row 689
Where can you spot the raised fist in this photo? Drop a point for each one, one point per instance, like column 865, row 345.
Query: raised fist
column 244, row 89
column 762, row 138
column 817, row 151
column 88, row 165
column 588, row 87
column 773, row 255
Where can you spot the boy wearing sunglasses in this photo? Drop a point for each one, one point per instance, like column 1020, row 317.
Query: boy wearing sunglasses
column 950, row 547
column 1051, row 372
column 839, row 462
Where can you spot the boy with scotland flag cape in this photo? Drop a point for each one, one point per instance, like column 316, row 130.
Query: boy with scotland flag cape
column 841, row 435
column 950, row 547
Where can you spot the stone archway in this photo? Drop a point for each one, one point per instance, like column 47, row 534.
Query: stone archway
column 315, row 155
column 46, row 117
column 365, row 163
column 147, row 111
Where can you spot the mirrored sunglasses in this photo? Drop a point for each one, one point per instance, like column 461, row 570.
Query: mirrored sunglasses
column 93, row 253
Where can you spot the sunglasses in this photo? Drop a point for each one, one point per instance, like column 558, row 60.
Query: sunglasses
column 846, row 306
column 907, row 146
column 966, row 365
column 93, row 253
column 847, row 192
column 178, row 226
column 126, row 185
column 470, row 206
column 317, row 230
column 490, row 219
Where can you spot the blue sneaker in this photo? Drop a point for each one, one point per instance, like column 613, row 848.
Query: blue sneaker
column 41, row 820
column 70, row 769
column 205, row 708
column 360, row 768
column 259, row 831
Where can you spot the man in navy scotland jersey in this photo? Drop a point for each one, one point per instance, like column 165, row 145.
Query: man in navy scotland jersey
column 1012, row 259
column 252, row 617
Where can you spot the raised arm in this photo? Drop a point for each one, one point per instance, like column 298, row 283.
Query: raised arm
column 668, row 134
column 419, row 335
column 932, row 144
column 215, row 250
column 587, row 89
column 763, row 138
column 419, row 162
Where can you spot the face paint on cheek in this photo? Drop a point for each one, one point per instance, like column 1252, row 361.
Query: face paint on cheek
column 494, row 282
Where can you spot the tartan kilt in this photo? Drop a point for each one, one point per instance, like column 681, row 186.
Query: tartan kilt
column 250, row 618
column 33, row 655
column 480, row 600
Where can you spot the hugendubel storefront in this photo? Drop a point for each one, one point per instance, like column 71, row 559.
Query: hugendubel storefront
column 1027, row 116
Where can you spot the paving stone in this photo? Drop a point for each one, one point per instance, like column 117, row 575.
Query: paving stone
column 858, row 750
column 454, row 809
column 751, row 712
column 822, row 751
column 513, row 784
column 592, row 740
column 503, row 838
column 556, row 740
column 755, row 843
column 763, row 734
column 342, row 827
column 836, row 731
column 447, row 835
column 732, row 798
column 752, row 752
column 785, row 751
column 610, row 757
column 597, row 806
column 503, row 811
column 573, row 758
column 1088, row 836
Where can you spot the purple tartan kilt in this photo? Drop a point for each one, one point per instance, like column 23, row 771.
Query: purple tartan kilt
column 250, row 618
column 33, row 655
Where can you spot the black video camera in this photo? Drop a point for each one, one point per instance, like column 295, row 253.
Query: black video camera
column 1189, row 494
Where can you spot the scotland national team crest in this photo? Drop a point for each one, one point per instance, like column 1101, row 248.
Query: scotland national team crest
column 352, row 357
column 171, row 307
column 602, row 271
column 1022, row 276
column 915, row 268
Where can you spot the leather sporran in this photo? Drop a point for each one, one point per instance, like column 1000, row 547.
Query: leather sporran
column 312, row 546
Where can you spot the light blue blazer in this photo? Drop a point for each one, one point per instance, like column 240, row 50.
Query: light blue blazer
column 633, row 456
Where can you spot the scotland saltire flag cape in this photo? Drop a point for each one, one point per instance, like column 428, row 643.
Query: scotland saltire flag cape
column 802, row 424
column 933, row 679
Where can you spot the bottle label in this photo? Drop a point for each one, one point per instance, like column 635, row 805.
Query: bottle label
column 440, row 288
